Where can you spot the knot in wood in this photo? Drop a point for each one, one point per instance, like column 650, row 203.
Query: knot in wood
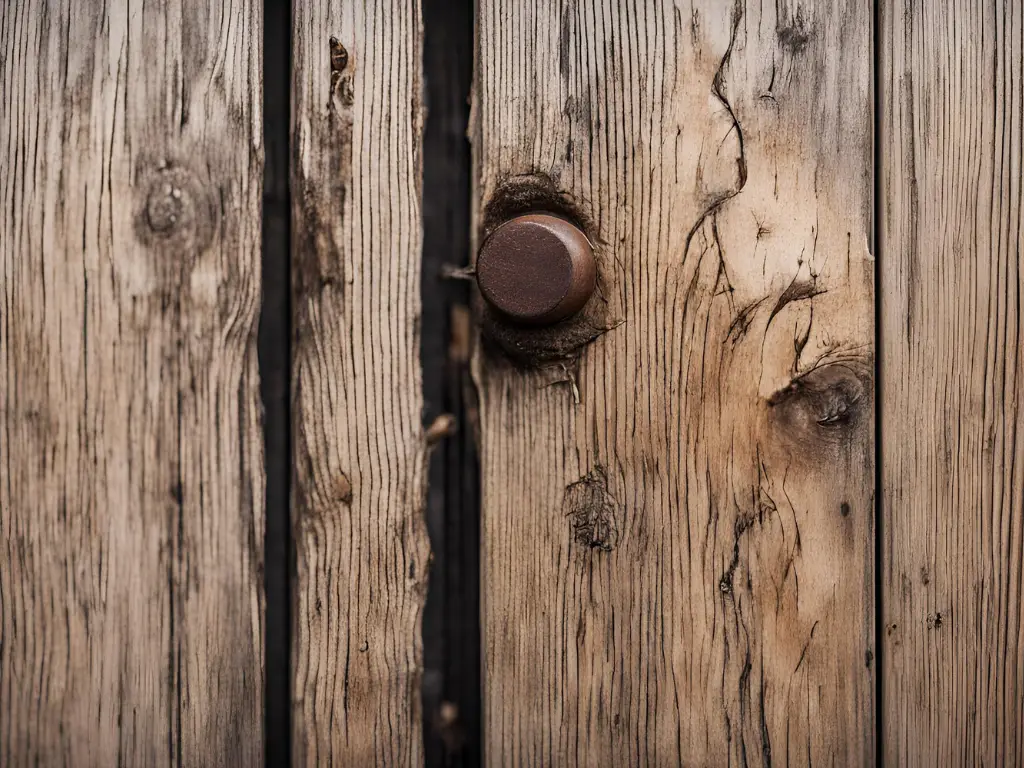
column 178, row 214
column 165, row 209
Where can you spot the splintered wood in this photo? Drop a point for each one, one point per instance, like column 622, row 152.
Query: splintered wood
column 131, row 468
column 678, row 569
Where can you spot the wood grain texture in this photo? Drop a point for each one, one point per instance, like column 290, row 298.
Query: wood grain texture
column 952, row 90
column 360, row 451
column 677, row 568
column 131, row 499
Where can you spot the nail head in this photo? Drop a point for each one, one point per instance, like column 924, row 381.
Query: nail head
column 537, row 269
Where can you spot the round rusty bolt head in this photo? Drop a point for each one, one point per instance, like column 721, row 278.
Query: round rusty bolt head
column 536, row 269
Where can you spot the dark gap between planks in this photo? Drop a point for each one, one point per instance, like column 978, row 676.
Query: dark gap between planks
column 451, row 621
column 275, row 379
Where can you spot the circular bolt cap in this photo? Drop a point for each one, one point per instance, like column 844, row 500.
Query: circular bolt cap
column 536, row 269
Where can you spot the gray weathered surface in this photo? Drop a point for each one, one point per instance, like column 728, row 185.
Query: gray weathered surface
column 360, row 450
column 677, row 568
column 952, row 86
column 131, row 498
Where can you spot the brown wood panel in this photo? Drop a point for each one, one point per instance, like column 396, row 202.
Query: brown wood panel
column 131, row 499
column 360, row 449
column 952, row 90
column 677, row 515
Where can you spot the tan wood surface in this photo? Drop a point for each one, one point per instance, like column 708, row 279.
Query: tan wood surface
column 952, row 87
column 677, row 528
column 359, row 445
column 131, row 476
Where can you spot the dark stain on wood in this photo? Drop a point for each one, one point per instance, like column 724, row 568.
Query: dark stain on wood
column 527, row 193
column 532, row 347
column 825, row 408
column 564, row 38
column 319, row 262
column 341, row 77
column 795, row 33
column 176, row 215
column 339, row 56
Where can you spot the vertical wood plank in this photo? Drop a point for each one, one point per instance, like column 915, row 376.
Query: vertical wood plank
column 677, row 517
column 360, row 453
column 953, row 477
column 131, row 499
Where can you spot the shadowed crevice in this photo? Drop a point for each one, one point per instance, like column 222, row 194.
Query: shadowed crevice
column 451, row 687
column 275, row 374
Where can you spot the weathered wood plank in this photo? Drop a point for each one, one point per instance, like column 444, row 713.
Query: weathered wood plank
column 360, row 451
column 131, row 500
column 677, row 568
column 953, row 474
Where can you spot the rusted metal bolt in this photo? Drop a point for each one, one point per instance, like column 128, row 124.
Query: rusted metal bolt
column 536, row 269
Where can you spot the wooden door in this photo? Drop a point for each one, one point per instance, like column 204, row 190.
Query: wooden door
column 758, row 503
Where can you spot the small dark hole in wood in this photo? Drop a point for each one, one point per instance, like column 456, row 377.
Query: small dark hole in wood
column 339, row 56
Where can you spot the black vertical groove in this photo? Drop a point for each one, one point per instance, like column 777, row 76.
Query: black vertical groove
column 877, row 246
column 275, row 376
column 451, row 622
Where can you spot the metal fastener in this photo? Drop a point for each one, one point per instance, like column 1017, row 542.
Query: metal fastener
column 536, row 269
